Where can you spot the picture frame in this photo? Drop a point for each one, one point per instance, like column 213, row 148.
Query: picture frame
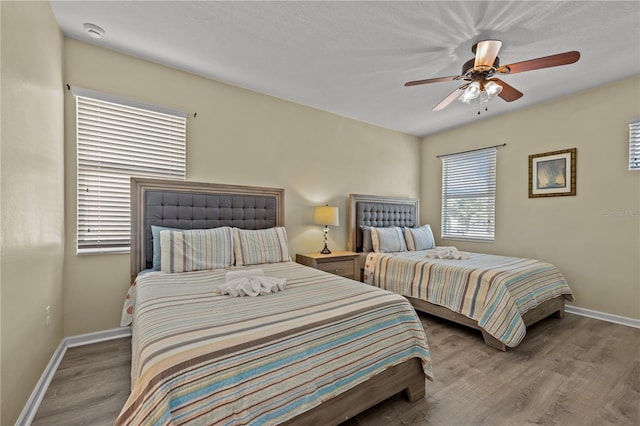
column 552, row 174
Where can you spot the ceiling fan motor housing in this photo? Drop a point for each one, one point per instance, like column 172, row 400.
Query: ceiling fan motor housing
column 467, row 68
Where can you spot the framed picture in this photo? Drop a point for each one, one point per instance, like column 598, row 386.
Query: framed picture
column 552, row 174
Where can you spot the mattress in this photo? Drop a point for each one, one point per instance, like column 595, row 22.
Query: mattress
column 203, row 358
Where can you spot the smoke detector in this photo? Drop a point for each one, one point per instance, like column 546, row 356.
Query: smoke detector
column 93, row 30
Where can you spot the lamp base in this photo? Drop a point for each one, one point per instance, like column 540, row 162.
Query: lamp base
column 325, row 250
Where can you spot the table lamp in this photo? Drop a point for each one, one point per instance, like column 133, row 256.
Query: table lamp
column 325, row 215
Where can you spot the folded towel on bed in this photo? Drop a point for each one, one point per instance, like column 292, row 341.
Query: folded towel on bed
column 450, row 253
column 252, row 283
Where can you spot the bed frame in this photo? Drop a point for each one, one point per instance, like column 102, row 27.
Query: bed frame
column 191, row 205
column 381, row 211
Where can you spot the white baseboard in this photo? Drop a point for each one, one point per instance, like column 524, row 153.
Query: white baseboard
column 33, row 403
column 617, row 319
column 99, row 336
column 31, row 407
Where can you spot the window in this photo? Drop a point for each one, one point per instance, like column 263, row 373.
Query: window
column 468, row 195
column 119, row 139
column 634, row 144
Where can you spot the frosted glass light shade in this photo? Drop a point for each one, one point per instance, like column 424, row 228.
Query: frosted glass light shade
column 470, row 93
column 473, row 91
column 492, row 88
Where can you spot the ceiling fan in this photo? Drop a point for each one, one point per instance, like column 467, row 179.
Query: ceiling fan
column 479, row 74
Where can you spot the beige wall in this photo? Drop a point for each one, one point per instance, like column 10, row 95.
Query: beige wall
column 593, row 237
column 238, row 137
column 32, row 197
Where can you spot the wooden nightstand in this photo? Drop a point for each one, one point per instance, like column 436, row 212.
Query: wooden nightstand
column 342, row 263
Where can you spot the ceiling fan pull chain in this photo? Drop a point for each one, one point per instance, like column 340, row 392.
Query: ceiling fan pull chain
column 486, row 108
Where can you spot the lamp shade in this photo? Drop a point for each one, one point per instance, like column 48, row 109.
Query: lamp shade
column 472, row 91
column 325, row 215
column 492, row 88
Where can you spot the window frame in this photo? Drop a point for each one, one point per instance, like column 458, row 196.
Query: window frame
column 458, row 186
column 116, row 139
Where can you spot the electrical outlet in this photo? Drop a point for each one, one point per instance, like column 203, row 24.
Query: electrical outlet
column 47, row 316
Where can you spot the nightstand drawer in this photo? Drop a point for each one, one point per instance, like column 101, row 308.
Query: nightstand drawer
column 343, row 268
column 339, row 262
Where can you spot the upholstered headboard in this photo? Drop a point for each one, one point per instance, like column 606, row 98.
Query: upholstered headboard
column 193, row 205
column 379, row 211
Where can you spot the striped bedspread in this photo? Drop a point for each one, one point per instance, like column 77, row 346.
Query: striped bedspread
column 203, row 358
column 493, row 290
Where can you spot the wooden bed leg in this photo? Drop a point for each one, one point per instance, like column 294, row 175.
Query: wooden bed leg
column 489, row 340
column 559, row 313
column 415, row 393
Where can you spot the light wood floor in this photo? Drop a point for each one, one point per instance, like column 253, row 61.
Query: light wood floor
column 575, row 371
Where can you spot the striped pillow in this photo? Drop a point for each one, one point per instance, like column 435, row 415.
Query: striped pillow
column 388, row 240
column 419, row 238
column 253, row 247
column 195, row 250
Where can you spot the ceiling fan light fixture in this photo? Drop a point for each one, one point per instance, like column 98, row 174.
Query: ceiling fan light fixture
column 492, row 88
column 470, row 93
column 484, row 97
column 481, row 92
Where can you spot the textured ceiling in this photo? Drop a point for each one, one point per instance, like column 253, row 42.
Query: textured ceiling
column 353, row 58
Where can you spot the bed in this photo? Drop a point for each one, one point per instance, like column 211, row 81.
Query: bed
column 498, row 295
column 319, row 351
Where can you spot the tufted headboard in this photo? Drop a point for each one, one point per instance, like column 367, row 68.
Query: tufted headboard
column 193, row 205
column 379, row 211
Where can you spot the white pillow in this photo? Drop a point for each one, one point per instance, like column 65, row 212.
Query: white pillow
column 388, row 240
column 196, row 249
column 253, row 247
column 419, row 238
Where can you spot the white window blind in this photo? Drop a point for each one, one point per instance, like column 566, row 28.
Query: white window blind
column 116, row 140
column 634, row 145
column 468, row 195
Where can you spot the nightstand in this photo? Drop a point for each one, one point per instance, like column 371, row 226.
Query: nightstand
column 342, row 263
